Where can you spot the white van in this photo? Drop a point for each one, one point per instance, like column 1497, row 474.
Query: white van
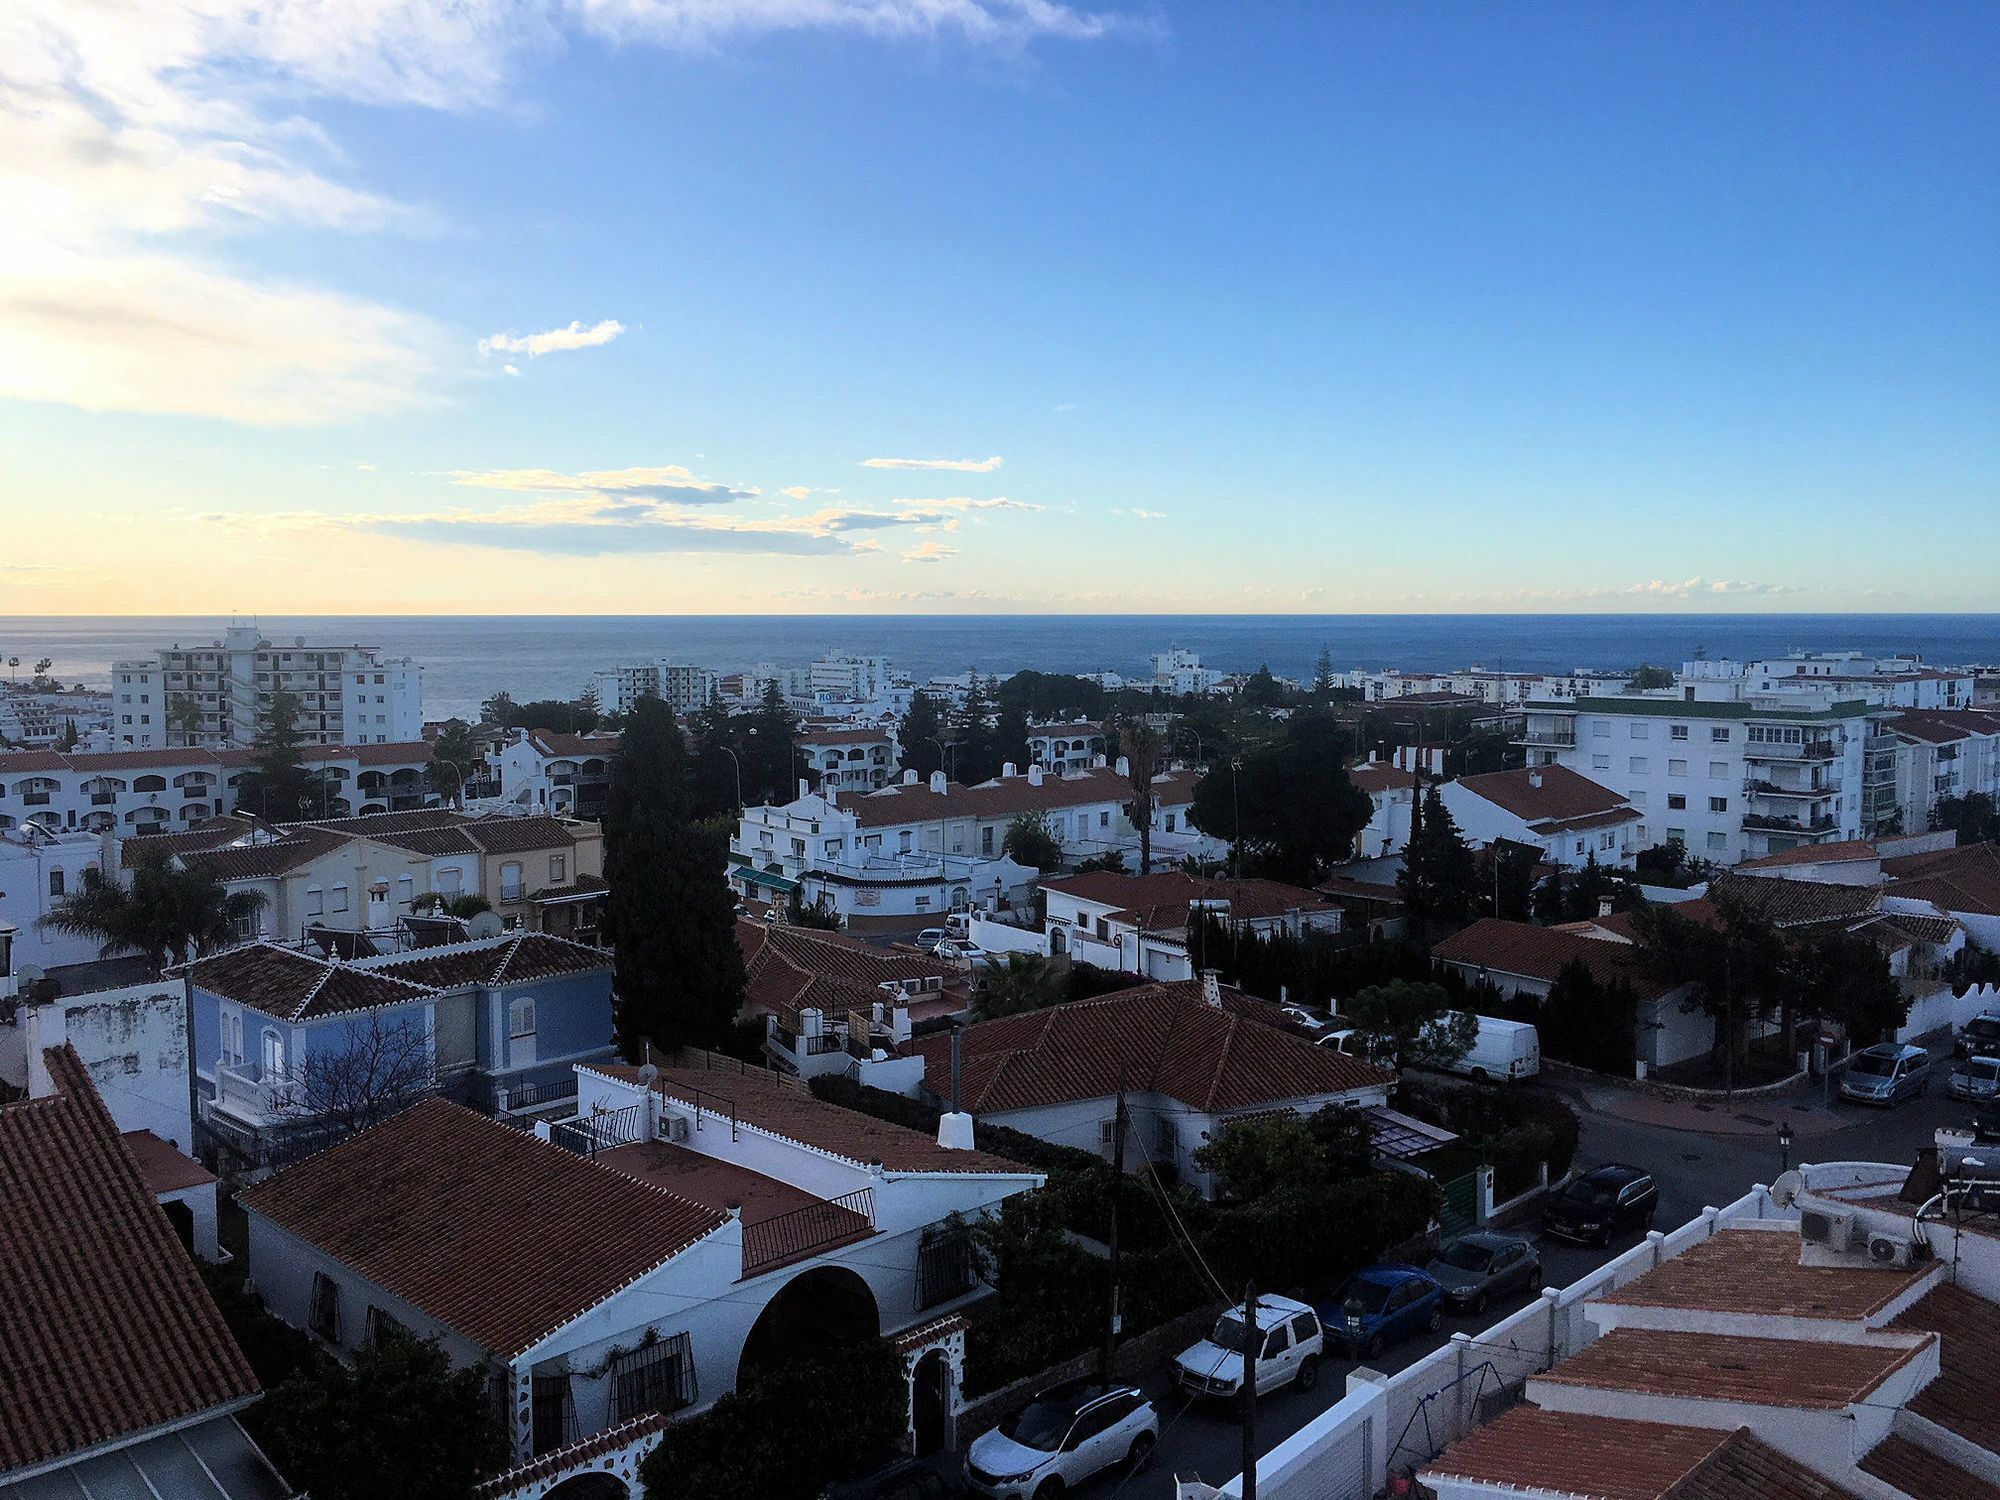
column 1504, row 1052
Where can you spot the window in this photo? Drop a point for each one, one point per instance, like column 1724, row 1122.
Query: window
column 1718, row 770
column 1676, row 801
column 521, row 1017
column 558, row 868
column 657, row 1377
column 406, row 889
column 1677, row 768
column 1607, row 841
column 1718, row 804
column 1677, row 836
column 986, row 839
column 1600, row 762
column 315, row 901
column 55, row 882
column 946, row 1265
column 1641, row 731
column 510, row 881
column 1277, row 1341
column 1170, row 822
column 1677, row 731
column 384, row 1328
column 1639, row 765
column 553, row 1412
column 323, row 1317
column 1166, row 1138
column 1718, row 841
column 1600, row 729
column 1637, row 799
column 1719, row 734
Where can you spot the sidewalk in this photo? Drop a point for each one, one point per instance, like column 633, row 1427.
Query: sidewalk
column 1803, row 1109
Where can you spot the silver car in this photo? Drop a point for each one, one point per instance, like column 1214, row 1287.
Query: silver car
column 1886, row 1073
column 1479, row 1268
column 1975, row 1078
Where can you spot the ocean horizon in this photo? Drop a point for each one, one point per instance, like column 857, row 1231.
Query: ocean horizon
column 467, row 657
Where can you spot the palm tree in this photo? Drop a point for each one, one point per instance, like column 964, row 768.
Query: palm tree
column 1026, row 981
column 167, row 914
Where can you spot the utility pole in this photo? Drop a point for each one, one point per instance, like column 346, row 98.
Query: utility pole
column 1111, row 1317
column 1253, row 1345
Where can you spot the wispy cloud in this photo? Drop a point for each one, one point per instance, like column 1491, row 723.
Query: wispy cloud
column 514, row 370
column 552, row 340
column 962, row 502
column 1691, row 588
column 1002, row 24
column 928, row 552
column 957, row 465
column 1137, row 514
column 671, row 483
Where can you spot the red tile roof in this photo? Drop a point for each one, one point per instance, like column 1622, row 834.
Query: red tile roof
column 882, row 736
column 1380, row 776
column 791, row 969
column 1966, row 1394
column 108, row 1331
column 1167, row 899
column 1163, row 1038
column 498, row 1235
column 1918, row 1471
column 1757, row 1273
column 1965, row 878
column 1795, row 903
column 1838, row 852
column 1006, row 796
column 1747, row 1468
column 1539, row 953
column 1730, row 1367
column 162, row 1166
column 515, row 959
column 553, row 743
column 1603, row 1458
column 295, row 986
column 1934, row 726
column 766, row 1101
column 1549, row 794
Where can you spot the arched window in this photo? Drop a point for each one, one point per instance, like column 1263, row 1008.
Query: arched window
column 150, row 784
column 274, row 1053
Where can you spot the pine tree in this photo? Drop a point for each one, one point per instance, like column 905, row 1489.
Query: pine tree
column 975, row 756
column 277, row 785
column 677, row 970
column 1439, row 877
column 1324, row 677
column 920, row 728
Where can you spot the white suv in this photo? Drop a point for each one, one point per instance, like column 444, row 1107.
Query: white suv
column 1061, row 1438
column 1289, row 1355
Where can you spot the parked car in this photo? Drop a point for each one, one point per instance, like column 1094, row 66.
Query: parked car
column 930, row 937
column 951, row 950
column 1476, row 1269
column 1980, row 1038
column 1365, row 1045
column 958, row 925
column 1502, row 1052
column 1061, row 1438
column 899, row 1479
column 1886, row 1073
column 1605, row 1201
column 1290, row 1355
column 1974, row 1078
column 1298, row 1015
column 1382, row 1305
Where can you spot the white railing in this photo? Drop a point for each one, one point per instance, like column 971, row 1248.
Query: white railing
column 243, row 1092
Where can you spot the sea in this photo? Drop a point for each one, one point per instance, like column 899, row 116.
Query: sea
column 467, row 657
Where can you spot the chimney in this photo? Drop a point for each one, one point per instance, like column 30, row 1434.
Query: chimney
column 1008, row 771
column 804, row 786
column 1124, row 766
column 42, row 1026
column 1535, row 779
column 909, row 778
column 1034, row 776
column 1603, row 906
column 955, row 1126
column 831, row 793
column 938, row 782
column 1211, row 987
column 1371, row 757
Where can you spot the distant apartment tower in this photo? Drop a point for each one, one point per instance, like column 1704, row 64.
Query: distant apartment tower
column 218, row 695
column 1179, row 671
column 683, row 688
column 859, row 678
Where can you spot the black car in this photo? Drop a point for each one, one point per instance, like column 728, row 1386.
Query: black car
column 1981, row 1037
column 1605, row 1201
column 900, row 1479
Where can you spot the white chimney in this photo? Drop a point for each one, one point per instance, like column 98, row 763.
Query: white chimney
column 804, row 786
column 1371, row 757
column 938, row 782
column 1211, row 987
column 42, row 1026
column 909, row 778
column 1034, row 776
column 1603, row 906
column 1008, row 771
column 1535, row 779
column 831, row 793
column 955, row 1131
column 1124, row 766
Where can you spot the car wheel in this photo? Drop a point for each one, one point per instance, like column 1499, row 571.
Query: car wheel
column 1051, row 1488
column 1373, row 1347
column 1308, row 1375
column 1139, row 1457
column 1479, row 1076
column 1604, row 1238
column 1479, row 1303
column 1436, row 1318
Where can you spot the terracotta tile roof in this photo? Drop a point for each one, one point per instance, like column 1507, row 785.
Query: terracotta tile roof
column 798, row 968
column 295, row 986
column 1166, row 900
column 882, row 736
column 1965, row 878
column 1381, row 777
column 238, row 858
column 1072, row 729
column 1837, row 852
column 1539, row 953
column 581, row 886
column 1757, row 1272
column 515, row 959
column 1933, row 726
column 1796, row 903
column 1008, row 796
column 1603, row 1458
column 1918, row 1471
column 1747, row 1468
column 1729, row 1367
column 109, row 1330
column 1347, row 888
column 935, row 1331
column 90, row 762
column 1587, row 822
column 1538, row 794
column 552, row 743
column 161, row 1165
column 764, row 1101
column 497, row 1235
column 560, row 1461
column 1966, row 1394
column 1160, row 1037
column 519, row 835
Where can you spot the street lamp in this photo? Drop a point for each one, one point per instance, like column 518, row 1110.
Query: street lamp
column 739, row 776
column 1785, row 1146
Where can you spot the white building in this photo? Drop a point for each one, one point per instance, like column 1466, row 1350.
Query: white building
column 1073, row 746
column 1885, row 681
column 32, row 717
column 1940, row 754
column 216, row 696
column 1179, row 671
column 550, row 771
column 850, row 679
column 847, row 759
column 639, row 1258
column 1502, row 689
column 1570, row 818
column 916, row 850
column 37, row 869
column 1728, row 778
column 683, row 688
column 1392, row 789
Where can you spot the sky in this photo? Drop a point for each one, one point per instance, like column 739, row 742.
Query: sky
column 812, row 306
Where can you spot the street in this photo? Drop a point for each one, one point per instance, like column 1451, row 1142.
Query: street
column 1694, row 1169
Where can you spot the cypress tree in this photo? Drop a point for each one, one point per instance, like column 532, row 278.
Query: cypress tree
column 676, row 967
column 1438, row 879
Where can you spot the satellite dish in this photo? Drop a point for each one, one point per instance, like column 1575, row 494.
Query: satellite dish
column 1785, row 1191
column 486, row 925
column 647, row 1074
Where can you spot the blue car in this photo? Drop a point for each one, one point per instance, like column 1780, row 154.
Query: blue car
column 1382, row 1305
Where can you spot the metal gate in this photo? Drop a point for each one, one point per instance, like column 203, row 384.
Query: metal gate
column 1460, row 1214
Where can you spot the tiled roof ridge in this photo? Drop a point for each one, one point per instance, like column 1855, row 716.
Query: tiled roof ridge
column 1681, row 1484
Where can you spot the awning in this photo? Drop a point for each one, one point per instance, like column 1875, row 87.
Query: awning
column 765, row 879
column 1397, row 1137
column 214, row 1460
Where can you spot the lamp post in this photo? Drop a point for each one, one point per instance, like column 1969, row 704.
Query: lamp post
column 1785, row 1146
column 739, row 777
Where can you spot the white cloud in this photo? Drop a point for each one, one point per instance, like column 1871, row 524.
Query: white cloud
column 960, row 465
column 1137, row 514
column 962, row 502
column 798, row 491
column 928, row 552
column 513, row 370
column 666, row 483
column 995, row 23
column 553, row 340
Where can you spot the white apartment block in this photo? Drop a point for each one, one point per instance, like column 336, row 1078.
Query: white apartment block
column 1944, row 754
column 347, row 694
column 683, row 688
column 1502, row 689
column 1179, row 671
column 851, row 758
column 1886, row 681
column 1073, row 746
column 31, row 716
column 1727, row 778
column 852, row 679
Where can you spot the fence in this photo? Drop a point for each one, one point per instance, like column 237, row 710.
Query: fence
column 787, row 1236
column 1393, row 1424
column 600, row 1130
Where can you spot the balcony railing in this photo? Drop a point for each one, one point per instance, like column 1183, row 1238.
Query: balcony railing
column 1758, row 788
column 803, row 1231
column 1777, row 750
column 1554, row 738
column 1773, row 824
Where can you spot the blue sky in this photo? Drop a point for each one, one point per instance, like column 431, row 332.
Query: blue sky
column 376, row 308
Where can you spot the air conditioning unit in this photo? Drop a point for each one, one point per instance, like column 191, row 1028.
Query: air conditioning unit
column 1891, row 1250
column 1832, row 1231
column 677, row 1129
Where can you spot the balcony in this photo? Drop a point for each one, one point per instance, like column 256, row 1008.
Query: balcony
column 1767, row 823
column 1758, row 788
column 242, row 1091
column 1773, row 750
column 1549, row 739
column 802, row 1232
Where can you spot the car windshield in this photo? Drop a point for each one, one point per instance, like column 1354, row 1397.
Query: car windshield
column 1986, row 1028
column 1586, row 1194
column 1369, row 1296
column 1985, row 1069
column 1041, row 1425
column 1466, row 1256
column 1873, row 1064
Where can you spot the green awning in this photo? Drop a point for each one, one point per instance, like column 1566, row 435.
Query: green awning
column 763, row 878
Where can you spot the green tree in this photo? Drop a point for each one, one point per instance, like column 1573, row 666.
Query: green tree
column 399, row 1421
column 1143, row 755
column 766, row 747
column 277, row 785
column 1018, row 982
column 822, row 916
column 165, row 914
column 454, row 761
column 1325, row 678
column 1506, row 879
column 67, row 740
column 500, row 710
column 1414, row 1022
column 1261, row 1157
column 920, row 729
column 1010, row 739
column 1588, row 1023
column 1031, row 842
column 1972, row 817
column 184, row 716
column 669, row 914
column 555, row 716
column 977, row 757
column 1262, row 690
column 1732, row 966
column 1438, row 881
column 1651, row 678
column 1289, row 806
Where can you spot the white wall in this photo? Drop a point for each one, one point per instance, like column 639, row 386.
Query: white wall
column 133, row 1041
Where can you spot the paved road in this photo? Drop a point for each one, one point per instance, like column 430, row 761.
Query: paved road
column 1693, row 1170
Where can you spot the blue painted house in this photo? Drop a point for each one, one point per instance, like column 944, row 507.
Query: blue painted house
column 498, row 1024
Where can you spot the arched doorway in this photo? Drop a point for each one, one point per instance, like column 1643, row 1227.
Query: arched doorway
column 182, row 1218
column 930, row 1403
column 599, row 1486
column 827, row 1307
